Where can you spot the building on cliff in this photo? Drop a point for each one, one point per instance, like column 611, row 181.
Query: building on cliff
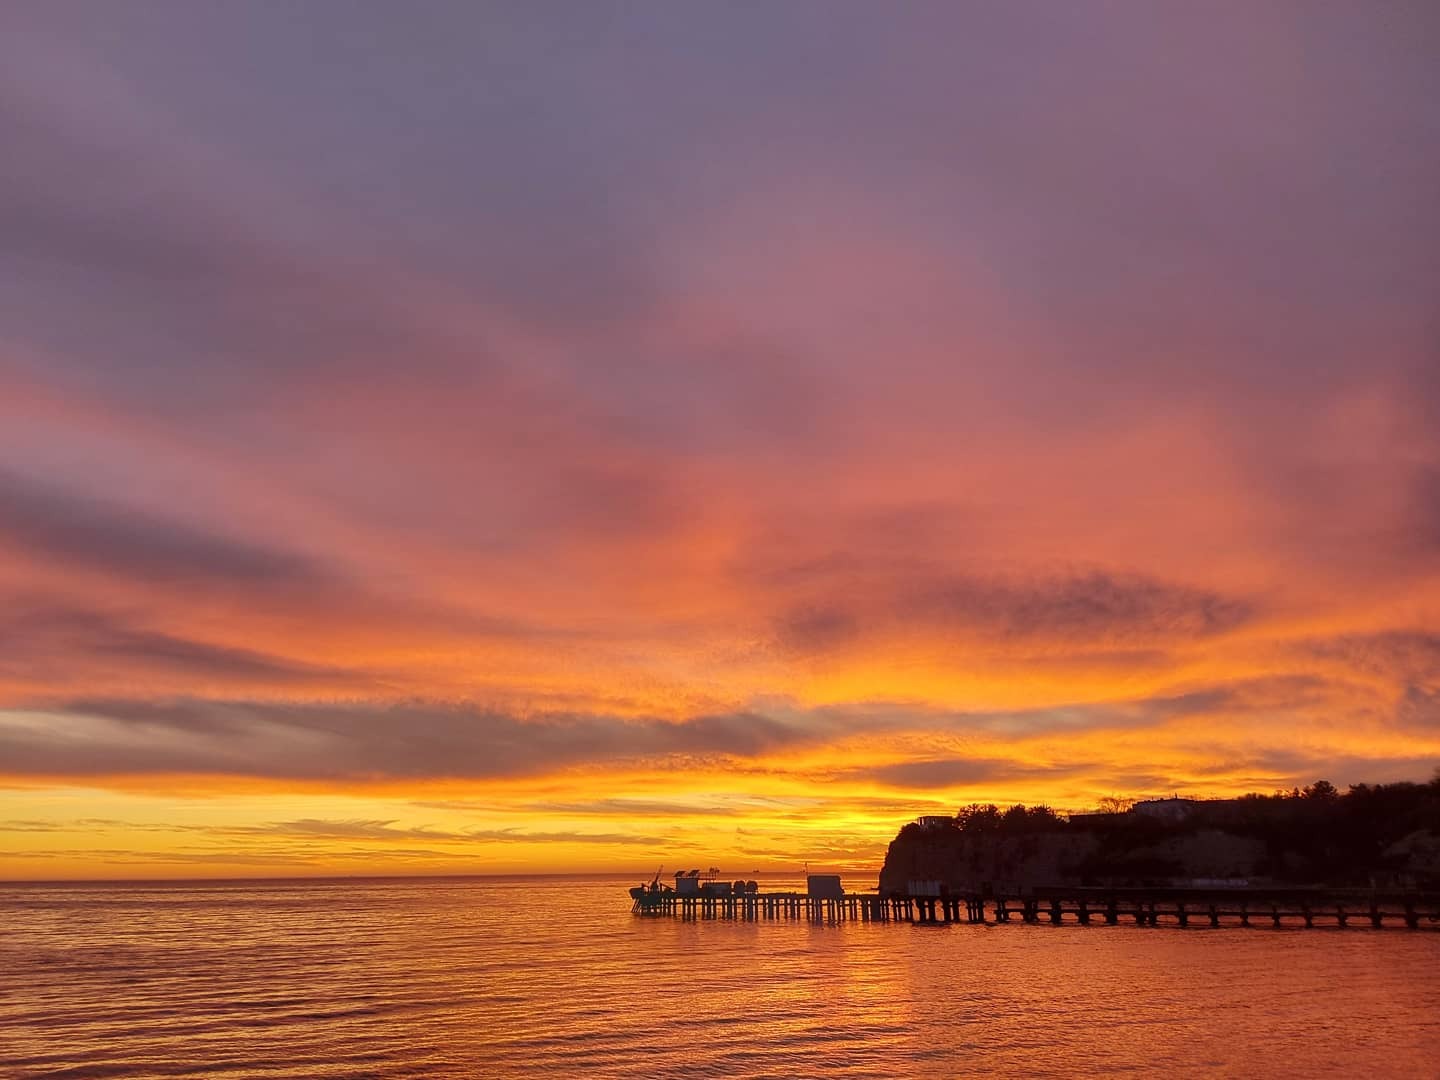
column 935, row 821
column 1175, row 808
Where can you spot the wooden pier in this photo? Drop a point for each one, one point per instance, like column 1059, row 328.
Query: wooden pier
column 1072, row 905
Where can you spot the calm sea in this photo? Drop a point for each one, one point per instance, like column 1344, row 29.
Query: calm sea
column 554, row 977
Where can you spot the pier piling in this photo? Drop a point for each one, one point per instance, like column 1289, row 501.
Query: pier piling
column 1146, row 907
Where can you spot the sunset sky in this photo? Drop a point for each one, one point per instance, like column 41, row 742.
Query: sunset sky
column 572, row 436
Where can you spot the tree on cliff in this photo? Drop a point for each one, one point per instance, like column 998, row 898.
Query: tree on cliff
column 975, row 818
column 1022, row 819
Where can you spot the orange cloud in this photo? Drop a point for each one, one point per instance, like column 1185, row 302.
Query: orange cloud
column 871, row 434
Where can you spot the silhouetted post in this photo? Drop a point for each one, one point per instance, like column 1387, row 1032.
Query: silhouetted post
column 1214, row 916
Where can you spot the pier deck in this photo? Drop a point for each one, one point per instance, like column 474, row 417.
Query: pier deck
column 1143, row 907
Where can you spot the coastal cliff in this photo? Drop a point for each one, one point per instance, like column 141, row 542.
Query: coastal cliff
column 1372, row 834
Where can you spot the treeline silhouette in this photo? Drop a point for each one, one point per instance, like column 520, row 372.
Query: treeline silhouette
column 1016, row 821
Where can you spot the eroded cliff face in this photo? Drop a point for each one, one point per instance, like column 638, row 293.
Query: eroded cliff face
column 964, row 863
column 1069, row 855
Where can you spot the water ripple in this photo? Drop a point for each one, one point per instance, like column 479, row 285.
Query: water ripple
column 525, row 977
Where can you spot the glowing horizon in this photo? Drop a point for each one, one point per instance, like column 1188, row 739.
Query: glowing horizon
column 503, row 441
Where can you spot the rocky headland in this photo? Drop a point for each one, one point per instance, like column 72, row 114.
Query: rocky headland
column 1385, row 835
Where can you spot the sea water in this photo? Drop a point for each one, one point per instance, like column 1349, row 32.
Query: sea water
column 554, row 977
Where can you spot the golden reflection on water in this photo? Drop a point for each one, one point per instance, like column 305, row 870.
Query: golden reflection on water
column 476, row 977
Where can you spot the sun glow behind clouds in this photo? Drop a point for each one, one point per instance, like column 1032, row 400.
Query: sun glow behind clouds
column 697, row 438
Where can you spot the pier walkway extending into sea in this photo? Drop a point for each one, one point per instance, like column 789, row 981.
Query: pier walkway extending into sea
column 1082, row 905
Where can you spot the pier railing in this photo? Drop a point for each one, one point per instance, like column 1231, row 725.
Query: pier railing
column 1073, row 904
